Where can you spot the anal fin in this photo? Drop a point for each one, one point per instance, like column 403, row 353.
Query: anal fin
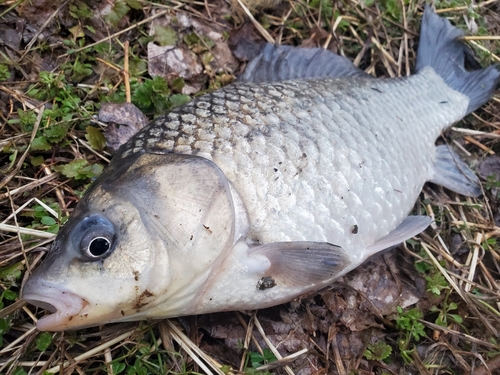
column 302, row 263
column 411, row 226
column 453, row 173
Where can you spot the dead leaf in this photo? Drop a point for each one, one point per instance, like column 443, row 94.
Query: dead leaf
column 173, row 61
column 124, row 120
column 170, row 62
column 490, row 166
column 246, row 43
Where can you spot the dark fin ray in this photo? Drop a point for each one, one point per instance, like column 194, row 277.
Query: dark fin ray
column 441, row 49
column 280, row 63
column 453, row 173
column 410, row 227
column 302, row 264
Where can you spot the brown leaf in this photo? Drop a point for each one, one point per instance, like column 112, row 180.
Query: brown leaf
column 124, row 120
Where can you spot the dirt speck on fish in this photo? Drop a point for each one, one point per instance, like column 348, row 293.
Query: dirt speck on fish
column 271, row 187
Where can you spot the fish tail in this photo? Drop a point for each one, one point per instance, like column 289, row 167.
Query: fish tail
column 440, row 47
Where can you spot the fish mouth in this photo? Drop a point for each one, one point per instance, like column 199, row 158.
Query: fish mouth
column 64, row 305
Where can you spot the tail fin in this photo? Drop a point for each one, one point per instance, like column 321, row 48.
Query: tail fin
column 441, row 49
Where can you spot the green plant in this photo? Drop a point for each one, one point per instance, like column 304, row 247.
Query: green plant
column 326, row 7
column 254, row 360
column 48, row 220
column 436, row 282
column 491, row 182
column 165, row 36
column 378, row 351
column 9, row 277
column 444, row 315
column 198, row 43
column 408, row 322
column 120, row 9
column 43, row 341
column 4, row 72
column 490, row 242
column 154, row 95
column 423, row 266
column 80, row 169
column 393, row 8
column 411, row 328
column 80, row 10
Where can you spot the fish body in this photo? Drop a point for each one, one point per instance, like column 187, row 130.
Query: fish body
column 261, row 191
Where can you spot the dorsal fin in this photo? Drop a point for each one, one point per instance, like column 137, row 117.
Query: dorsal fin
column 280, row 63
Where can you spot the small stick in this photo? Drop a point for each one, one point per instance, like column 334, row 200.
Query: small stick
column 40, row 30
column 159, row 14
column 193, row 350
column 126, row 75
column 479, row 144
column 58, row 191
column 255, row 342
column 30, row 186
column 405, row 40
column 332, row 340
column 31, row 232
column 93, row 351
column 20, row 162
column 281, row 362
column 248, row 337
column 277, row 354
column 474, row 260
column 443, row 271
column 481, row 37
column 109, row 65
column 257, row 25
column 495, row 57
column 483, row 4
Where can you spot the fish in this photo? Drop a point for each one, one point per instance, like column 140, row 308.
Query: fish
column 271, row 187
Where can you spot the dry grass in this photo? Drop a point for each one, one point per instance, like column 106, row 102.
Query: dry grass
column 459, row 255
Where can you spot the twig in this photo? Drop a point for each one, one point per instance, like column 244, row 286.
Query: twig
column 25, row 154
column 257, row 25
column 270, row 345
column 126, row 75
column 93, row 351
column 30, row 186
column 29, row 231
column 40, row 30
column 159, row 14
column 479, row 144
column 474, row 261
column 193, row 350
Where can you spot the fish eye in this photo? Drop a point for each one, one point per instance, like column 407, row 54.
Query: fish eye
column 98, row 247
column 97, row 239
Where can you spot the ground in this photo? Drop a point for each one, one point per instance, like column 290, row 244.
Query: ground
column 431, row 306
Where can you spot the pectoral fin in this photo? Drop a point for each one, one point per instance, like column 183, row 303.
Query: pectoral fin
column 451, row 172
column 302, row 264
column 411, row 226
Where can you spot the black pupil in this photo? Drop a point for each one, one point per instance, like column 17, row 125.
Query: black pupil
column 98, row 246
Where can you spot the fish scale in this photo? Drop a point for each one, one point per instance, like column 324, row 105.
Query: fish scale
column 266, row 189
column 345, row 155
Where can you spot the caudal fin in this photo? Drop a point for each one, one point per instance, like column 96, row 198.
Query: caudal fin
column 440, row 47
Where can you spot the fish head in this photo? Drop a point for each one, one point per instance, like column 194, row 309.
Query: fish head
column 148, row 232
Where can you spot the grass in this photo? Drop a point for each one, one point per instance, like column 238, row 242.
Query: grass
column 52, row 148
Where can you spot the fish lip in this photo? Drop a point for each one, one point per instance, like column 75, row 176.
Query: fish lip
column 63, row 304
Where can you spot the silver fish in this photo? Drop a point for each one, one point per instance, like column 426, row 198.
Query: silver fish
column 271, row 187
